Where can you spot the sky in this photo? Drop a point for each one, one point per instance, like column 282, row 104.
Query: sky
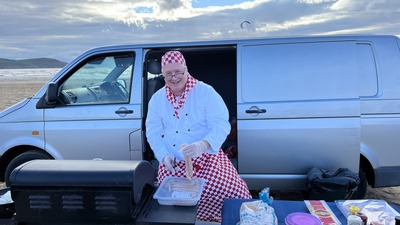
column 65, row 29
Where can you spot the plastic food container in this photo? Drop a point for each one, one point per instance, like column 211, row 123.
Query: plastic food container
column 179, row 191
column 300, row 218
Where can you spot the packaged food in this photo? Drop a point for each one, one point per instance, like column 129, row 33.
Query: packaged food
column 320, row 209
column 257, row 213
column 179, row 191
column 377, row 211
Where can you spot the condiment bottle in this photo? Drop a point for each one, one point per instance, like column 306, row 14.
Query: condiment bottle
column 363, row 217
column 354, row 220
column 354, row 209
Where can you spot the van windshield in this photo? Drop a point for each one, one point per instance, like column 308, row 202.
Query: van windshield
column 101, row 80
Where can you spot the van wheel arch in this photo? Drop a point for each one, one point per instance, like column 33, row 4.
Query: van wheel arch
column 368, row 170
column 24, row 157
column 362, row 187
column 366, row 174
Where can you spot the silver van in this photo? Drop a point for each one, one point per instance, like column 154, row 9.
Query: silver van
column 295, row 103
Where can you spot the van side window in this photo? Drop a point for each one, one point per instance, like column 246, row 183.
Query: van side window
column 299, row 71
column 102, row 80
column 367, row 72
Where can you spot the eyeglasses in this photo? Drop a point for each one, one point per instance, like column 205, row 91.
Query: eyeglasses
column 177, row 73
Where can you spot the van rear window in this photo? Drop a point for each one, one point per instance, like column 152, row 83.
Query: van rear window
column 367, row 70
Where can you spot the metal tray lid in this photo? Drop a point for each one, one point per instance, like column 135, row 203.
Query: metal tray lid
column 85, row 173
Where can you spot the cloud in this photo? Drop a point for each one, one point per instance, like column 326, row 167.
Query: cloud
column 367, row 5
column 167, row 11
column 315, row 1
column 64, row 29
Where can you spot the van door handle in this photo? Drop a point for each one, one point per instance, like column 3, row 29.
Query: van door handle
column 123, row 110
column 256, row 111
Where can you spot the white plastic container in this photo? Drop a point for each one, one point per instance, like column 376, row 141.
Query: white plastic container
column 179, row 191
column 354, row 220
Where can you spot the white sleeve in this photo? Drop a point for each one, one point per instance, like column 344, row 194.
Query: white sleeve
column 155, row 129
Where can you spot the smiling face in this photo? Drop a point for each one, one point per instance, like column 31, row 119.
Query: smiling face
column 176, row 76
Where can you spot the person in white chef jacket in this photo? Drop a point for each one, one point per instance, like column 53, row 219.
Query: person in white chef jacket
column 189, row 118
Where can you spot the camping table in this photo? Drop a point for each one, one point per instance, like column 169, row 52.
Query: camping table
column 152, row 214
column 231, row 210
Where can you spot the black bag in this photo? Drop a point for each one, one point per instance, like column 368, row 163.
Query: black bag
column 322, row 181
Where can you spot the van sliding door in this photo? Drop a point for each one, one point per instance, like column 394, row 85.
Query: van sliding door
column 298, row 108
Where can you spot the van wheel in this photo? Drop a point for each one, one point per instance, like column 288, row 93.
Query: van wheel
column 362, row 187
column 23, row 158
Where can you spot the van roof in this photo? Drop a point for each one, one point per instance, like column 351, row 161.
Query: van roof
column 244, row 40
column 228, row 42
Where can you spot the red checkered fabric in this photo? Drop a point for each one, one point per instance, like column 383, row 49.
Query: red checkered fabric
column 191, row 82
column 173, row 57
column 222, row 181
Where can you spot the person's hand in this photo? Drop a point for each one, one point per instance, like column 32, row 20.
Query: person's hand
column 195, row 149
column 169, row 162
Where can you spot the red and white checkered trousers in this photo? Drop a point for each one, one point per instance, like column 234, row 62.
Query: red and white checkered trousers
column 222, row 181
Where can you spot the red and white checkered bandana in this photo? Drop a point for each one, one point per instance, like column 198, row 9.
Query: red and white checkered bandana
column 191, row 82
column 173, row 57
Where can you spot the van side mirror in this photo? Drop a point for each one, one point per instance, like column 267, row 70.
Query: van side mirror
column 51, row 93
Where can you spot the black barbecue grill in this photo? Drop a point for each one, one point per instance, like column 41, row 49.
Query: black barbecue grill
column 90, row 192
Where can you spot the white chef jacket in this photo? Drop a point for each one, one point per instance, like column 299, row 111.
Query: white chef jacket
column 204, row 116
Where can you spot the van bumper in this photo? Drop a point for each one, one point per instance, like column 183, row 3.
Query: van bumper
column 386, row 177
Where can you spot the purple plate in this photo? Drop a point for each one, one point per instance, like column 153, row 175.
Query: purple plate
column 300, row 218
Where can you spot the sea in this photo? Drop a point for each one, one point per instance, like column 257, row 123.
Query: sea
column 23, row 74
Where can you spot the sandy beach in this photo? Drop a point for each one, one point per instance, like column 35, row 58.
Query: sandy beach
column 17, row 88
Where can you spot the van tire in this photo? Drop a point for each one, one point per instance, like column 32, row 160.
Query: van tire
column 362, row 187
column 23, row 158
